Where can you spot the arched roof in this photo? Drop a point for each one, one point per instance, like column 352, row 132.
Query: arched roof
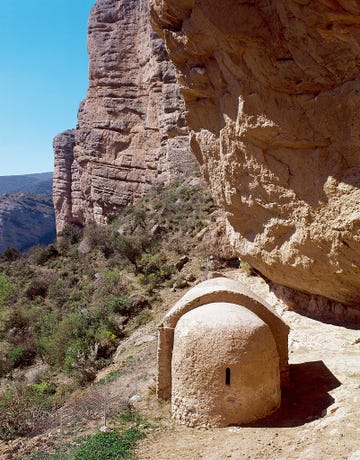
column 209, row 291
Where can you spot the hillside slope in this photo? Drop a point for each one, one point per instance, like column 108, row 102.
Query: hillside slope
column 38, row 183
column 88, row 307
column 26, row 219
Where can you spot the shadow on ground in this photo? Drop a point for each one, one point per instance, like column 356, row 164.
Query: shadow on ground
column 306, row 398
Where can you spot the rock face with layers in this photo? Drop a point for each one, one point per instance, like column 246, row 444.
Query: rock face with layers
column 272, row 96
column 131, row 130
column 63, row 177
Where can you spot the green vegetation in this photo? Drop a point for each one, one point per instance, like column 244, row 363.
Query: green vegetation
column 21, row 406
column 110, row 445
column 5, row 288
column 117, row 444
column 68, row 306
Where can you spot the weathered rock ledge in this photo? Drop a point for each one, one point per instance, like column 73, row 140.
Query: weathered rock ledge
column 272, row 97
column 131, row 131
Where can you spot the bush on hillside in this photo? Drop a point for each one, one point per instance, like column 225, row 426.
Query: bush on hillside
column 70, row 304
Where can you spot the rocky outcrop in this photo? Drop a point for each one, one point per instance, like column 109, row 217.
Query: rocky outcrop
column 131, row 130
column 64, row 170
column 272, row 96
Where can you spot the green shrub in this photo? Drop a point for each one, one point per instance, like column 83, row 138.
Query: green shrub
column 10, row 255
column 128, row 247
column 119, row 304
column 17, row 318
column 20, row 357
column 110, row 282
column 142, row 318
column 155, row 269
column 139, row 219
column 40, row 284
column 5, row 288
column 111, row 377
column 41, row 255
column 71, row 233
column 99, row 238
column 21, row 408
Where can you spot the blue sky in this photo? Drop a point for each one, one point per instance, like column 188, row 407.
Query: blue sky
column 43, row 78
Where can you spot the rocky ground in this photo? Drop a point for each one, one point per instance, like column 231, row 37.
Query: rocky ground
column 319, row 417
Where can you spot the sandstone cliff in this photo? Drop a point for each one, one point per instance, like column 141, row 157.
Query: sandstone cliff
column 131, row 130
column 272, row 94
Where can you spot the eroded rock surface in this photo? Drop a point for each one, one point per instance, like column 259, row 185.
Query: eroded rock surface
column 131, row 130
column 272, row 97
column 64, row 170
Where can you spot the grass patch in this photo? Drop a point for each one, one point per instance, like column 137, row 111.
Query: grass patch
column 111, row 377
column 118, row 444
column 110, row 445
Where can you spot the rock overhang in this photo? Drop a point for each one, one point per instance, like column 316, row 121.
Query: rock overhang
column 272, row 97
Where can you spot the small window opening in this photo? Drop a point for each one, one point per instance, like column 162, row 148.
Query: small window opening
column 227, row 376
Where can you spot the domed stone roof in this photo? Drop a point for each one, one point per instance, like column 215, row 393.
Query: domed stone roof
column 225, row 367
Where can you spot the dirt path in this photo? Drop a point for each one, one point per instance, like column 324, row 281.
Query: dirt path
column 320, row 415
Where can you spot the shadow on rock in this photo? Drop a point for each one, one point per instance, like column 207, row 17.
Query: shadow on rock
column 306, row 398
column 317, row 307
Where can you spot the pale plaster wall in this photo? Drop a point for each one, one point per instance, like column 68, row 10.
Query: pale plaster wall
column 217, row 290
column 209, row 340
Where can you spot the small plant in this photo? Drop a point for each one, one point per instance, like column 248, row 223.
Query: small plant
column 120, row 304
column 22, row 407
column 20, row 357
column 128, row 247
column 41, row 254
column 10, row 255
column 110, row 445
column 142, row 318
column 247, row 268
column 155, row 270
column 111, row 377
column 117, row 444
column 5, row 288
column 71, row 234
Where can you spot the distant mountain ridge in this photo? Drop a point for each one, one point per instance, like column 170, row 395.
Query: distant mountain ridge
column 38, row 183
column 26, row 211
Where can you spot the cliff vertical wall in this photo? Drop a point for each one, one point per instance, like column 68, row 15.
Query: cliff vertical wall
column 272, row 91
column 131, row 131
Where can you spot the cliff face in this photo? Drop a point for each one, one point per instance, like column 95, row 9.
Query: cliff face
column 272, row 94
column 131, row 130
